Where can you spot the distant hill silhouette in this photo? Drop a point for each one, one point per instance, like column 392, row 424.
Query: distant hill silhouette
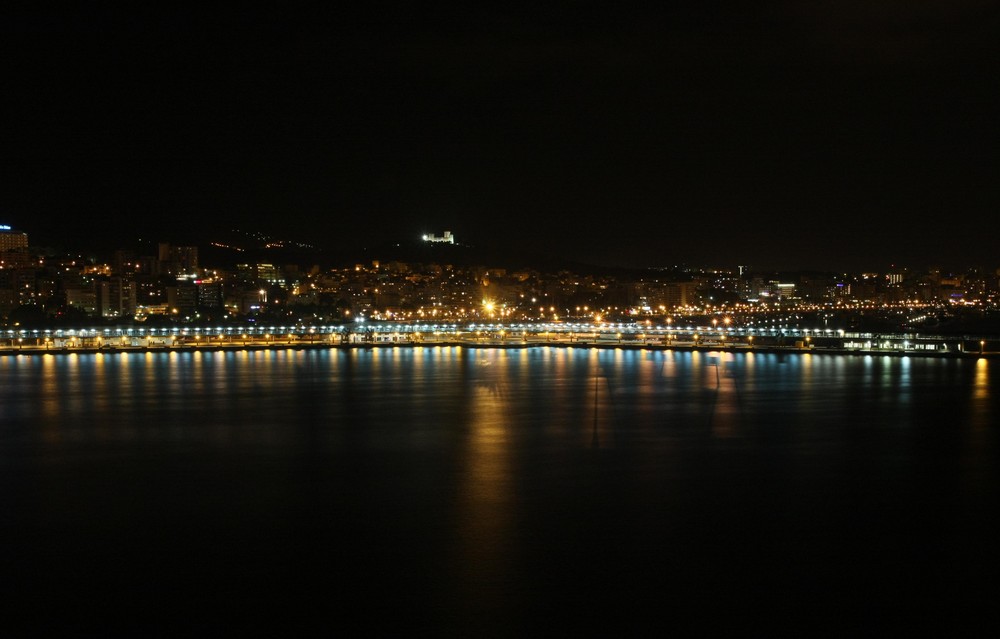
column 463, row 255
column 411, row 252
column 226, row 247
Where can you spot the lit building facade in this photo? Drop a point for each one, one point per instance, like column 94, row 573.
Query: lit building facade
column 447, row 238
column 11, row 240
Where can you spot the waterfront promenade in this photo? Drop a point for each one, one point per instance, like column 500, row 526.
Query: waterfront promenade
column 633, row 337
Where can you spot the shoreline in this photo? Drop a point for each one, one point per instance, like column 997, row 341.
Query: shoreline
column 783, row 350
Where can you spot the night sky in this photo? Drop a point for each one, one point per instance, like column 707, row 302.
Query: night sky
column 833, row 135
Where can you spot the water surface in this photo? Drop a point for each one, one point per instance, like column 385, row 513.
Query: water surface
column 497, row 492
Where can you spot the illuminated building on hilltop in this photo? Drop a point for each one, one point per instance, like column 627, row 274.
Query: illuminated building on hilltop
column 447, row 238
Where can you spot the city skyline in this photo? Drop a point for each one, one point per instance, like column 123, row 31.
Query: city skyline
column 846, row 138
column 443, row 281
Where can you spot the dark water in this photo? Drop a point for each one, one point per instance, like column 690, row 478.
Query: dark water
column 479, row 492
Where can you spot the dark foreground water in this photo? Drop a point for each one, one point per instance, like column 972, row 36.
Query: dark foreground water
column 484, row 492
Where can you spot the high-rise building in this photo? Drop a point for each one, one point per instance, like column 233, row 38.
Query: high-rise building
column 183, row 297
column 260, row 274
column 177, row 260
column 115, row 297
column 679, row 294
column 11, row 240
column 210, row 294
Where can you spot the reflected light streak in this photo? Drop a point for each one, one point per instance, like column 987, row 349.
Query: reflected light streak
column 600, row 410
column 487, row 490
column 51, row 405
column 981, row 389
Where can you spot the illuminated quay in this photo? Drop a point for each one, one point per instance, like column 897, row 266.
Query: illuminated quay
column 495, row 335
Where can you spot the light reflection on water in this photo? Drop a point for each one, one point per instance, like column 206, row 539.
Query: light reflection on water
column 489, row 487
column 565, row 397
